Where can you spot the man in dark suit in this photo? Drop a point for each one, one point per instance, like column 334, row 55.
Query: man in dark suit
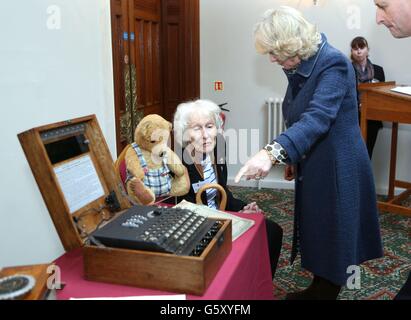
column 395, row 15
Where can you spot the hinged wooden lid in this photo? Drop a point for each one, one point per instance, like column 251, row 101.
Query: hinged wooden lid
column 74, row 170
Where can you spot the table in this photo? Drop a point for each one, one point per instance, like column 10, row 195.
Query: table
column 244, row 275
column 378, row 102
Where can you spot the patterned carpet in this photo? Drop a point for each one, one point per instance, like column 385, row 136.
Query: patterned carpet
column 381, row 279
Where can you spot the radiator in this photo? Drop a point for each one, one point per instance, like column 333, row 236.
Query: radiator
column 275, row 122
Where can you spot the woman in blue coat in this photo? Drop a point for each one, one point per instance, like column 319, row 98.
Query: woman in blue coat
column 335, row 220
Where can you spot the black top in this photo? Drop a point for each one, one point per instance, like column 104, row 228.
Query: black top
column 220, row 169
column 373, row 125
column 378, row 74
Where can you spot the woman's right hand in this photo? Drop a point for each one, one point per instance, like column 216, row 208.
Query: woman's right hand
column 289, row 172
column 255, row 168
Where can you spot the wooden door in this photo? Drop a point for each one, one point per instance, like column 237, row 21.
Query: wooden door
column 181, row 54
column 145, row 24
column 122, row 72
column 155, row 59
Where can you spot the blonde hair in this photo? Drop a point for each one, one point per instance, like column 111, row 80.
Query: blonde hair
column 285, row 33
column 184, row 112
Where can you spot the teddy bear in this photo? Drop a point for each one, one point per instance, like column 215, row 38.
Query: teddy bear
column 153, row 169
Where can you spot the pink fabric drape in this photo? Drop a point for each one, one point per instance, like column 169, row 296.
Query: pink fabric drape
column 244, row 275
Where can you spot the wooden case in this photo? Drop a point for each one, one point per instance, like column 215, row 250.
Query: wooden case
column 72, row 155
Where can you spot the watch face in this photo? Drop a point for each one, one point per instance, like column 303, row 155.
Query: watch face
column 15, row 286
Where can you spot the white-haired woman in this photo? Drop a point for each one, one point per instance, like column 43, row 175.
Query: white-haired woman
column 197, row 129
column 335, row 216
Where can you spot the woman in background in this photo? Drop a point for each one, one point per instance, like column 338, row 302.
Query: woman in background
column 366, row 72
column 196, row 128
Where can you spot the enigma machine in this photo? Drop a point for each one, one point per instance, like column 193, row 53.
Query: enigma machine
column 151, row 247
column 170, row 230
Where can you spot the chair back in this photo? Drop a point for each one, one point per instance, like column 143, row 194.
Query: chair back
column 223, row 194
column 120, row 166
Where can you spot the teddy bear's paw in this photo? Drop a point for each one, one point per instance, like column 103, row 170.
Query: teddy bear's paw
column 180, row 187
column 142, row 194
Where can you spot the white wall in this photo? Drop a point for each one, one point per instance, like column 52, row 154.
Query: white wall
column 46, row 76
column 227, row 54
column 53, row 75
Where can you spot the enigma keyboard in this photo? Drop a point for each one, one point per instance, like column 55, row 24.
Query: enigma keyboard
column 171, row 230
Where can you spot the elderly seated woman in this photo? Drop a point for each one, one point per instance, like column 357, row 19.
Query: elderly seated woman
column 196, row 127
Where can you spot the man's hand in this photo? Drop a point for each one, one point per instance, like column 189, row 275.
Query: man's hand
column 255, row 168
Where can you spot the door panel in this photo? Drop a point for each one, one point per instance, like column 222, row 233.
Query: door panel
column 181, row 54
column 172, row 56
column 145, row 51
column 155, row 59
column 122, row 94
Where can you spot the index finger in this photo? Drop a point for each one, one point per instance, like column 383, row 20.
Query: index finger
column 240, row 174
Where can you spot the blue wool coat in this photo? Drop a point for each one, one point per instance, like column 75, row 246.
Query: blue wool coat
column 336, row 220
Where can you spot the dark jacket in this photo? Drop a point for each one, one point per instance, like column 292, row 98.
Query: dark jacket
column 220, row 169
column 378, row 74
column 373, row 126
column 336, row 219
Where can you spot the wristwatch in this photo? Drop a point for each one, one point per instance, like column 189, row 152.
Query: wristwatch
column 276, row 152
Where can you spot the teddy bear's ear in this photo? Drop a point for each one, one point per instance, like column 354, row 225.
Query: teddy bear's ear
column 146, row 129
column 170, row 126
column 143, row 131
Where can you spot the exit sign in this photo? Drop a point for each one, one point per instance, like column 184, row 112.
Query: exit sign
column 218, row 86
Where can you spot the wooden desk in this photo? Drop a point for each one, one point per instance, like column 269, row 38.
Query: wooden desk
column 38, row 271
column 378, row 102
